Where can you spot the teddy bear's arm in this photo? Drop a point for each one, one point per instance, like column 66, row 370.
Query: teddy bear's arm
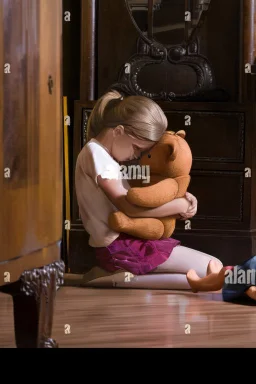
column 154, row 195
column 169, row 224
column 183, row 183
column 144, row 228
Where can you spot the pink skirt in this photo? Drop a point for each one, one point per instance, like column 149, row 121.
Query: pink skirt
column 134, row 255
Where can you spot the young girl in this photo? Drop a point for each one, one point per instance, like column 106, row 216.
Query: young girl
column 119, row 130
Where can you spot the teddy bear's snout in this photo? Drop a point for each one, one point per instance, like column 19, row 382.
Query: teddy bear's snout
column 149, row 156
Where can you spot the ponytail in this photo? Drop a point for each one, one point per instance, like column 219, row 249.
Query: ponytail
column 139, row 115
column 96, row 120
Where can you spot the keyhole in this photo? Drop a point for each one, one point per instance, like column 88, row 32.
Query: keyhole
column 50, row 84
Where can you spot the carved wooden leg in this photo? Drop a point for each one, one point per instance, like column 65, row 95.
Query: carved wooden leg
column 33, row 307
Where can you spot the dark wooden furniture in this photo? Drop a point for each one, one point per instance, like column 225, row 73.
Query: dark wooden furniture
column 201, row 72
column 31, row 164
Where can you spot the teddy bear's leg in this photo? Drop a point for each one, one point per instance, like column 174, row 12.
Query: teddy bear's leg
column 153, row 195
column 183, row 183
column 169, row 226
column 144, row 228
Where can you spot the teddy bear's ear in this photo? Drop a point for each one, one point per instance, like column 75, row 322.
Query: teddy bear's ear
column 173, row 150
column 170, row 132
column 181, row 134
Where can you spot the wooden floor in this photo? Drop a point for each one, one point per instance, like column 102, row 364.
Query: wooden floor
column 141, row 318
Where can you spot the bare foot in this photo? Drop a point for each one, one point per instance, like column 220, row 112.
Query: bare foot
column 251, row 292
column 193, row 278
column 209, row 283
column 214, row 266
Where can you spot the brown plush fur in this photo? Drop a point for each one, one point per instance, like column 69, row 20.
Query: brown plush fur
column 170, row 162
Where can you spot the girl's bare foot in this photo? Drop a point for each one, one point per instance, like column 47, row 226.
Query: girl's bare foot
column 251, row 292
column 209, row 283
column 193, row 278
column 214, row 266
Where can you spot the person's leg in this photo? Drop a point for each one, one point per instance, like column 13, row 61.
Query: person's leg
column 183, row 259
column 169, row 275
column 148, row 281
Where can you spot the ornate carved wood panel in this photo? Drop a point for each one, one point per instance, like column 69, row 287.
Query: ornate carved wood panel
column 173, row 59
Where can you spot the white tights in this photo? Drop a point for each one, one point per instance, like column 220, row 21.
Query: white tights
column 169, row 275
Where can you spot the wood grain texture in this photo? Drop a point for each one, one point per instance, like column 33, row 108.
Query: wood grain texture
column 31, row 131
column 101, row 318
column 1, row 115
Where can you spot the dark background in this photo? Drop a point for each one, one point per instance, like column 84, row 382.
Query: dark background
column 71, row 77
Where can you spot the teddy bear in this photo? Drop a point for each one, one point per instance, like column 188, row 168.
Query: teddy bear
column 169, row 162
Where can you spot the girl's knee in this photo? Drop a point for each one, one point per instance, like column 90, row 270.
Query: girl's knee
column 216, row 260
column 203, row 266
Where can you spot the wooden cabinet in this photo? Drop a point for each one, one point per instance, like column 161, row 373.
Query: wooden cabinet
column 201, row 72
column 217, row 141
column 31, row 163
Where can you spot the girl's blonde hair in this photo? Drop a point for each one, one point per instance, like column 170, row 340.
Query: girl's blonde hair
column 139, row 115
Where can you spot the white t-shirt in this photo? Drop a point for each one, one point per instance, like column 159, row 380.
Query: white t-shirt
column 94, row 206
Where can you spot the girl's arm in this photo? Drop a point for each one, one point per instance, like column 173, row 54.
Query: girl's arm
column 116, row 191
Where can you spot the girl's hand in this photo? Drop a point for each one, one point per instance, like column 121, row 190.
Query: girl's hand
column 192, row 210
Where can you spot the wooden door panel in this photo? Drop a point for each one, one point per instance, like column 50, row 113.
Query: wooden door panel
column 30, row 142
column 2, row 221
column 49, row 223
column 214, row 137
column 82, row 114
column 19, row 141
column 220, row 200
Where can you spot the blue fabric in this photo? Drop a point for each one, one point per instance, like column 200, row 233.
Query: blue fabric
column 235, row 290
